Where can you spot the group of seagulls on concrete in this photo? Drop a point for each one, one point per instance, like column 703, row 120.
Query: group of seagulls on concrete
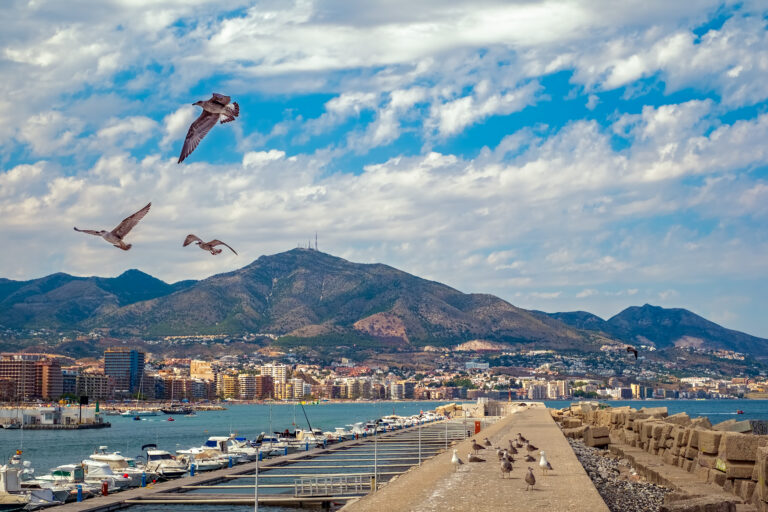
column 219, row 109
column 506, row 458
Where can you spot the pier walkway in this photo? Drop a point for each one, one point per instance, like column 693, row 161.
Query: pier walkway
column 437, row 486
column 316, row 477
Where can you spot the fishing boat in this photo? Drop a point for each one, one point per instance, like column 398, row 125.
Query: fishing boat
column 63, row 482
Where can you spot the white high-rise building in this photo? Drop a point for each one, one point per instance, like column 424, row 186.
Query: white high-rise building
column 278, row 372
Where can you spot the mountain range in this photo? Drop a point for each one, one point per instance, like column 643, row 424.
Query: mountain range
column 305, row 296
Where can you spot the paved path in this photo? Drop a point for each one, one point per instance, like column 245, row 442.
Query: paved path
column 479, row 487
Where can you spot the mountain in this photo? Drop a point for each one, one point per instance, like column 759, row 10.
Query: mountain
column 305, row 294
column 579, row 320
column 665, row 327
column 62, row 301
column 306, row 297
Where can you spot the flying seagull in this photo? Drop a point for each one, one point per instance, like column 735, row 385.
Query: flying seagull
column 216, row 109
column 115, row 237
column 207, row 246
column 633, row 350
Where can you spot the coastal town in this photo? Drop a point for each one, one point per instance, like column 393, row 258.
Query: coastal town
column 125, row 373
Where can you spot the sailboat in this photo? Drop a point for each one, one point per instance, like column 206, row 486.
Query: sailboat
column 138, row 413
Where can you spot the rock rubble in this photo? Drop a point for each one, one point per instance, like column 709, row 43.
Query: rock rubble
column 618, row 484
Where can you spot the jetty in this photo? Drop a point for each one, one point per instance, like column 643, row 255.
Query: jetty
column 438, row 486
column 316, row 477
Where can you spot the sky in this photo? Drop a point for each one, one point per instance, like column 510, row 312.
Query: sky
column 562, row 155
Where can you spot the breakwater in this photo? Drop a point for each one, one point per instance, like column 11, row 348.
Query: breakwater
column 439, row 486
column 719, row 467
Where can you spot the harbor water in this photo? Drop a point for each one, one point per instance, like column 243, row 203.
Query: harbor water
column 46, row 449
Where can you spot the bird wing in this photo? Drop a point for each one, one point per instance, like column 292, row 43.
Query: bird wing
column 89, row 231
column 214, row 243
column 197, row 130
column 191, row 238
column 220, row 98
column 128, row 223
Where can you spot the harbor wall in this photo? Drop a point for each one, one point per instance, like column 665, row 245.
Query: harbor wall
column 53, row 416
column 679, row 452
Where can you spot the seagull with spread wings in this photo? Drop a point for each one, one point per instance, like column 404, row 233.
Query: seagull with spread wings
column 115, row 237
column 207, row 246
column 216, row 109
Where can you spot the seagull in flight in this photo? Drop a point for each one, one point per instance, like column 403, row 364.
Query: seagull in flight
column 115, row 237
column 632, row 350
column 216, row 109
column 207, row 246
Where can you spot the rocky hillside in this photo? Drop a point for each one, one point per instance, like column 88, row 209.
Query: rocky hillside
column 665, row 327
column 306, row 294
column 64, row 301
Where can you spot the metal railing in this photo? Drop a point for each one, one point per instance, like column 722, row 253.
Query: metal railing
column 332, row 485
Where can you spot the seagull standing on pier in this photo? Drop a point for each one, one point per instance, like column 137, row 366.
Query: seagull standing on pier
column 456, row 461
column 486, row 442
column 506, row 468
column 476, row 446
column 544, row 464
column 530, row 480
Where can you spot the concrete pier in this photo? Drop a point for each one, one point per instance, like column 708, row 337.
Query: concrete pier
column 437, row 486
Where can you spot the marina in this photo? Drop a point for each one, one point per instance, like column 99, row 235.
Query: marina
column 297, row 469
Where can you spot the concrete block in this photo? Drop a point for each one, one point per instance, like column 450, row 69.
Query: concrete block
column 744, row 489
column 737, row 469
column 656, row 412
column 670, row 458
column 701, row 504
column 680, row 418
column 733, row 426
column 571, row 422
column 762, row 473
column 687, row 465
column 709, row 441
column 681, row 436
column 701, row 422
column 596, row 436
column 707, row 461
column 691, row 453
column 716, row 477
column 693, row 438
column 702, row 473
column 658, row 428
column 739, row 447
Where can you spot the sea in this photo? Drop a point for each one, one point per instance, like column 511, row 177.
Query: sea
column 46, row 449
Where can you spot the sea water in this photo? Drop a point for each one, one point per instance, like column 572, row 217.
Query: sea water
column 49, row 448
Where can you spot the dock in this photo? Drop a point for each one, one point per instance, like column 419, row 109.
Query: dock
column 317, row 477
column 438, row 486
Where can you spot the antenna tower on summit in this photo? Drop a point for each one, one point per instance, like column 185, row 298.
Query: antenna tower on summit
column 315, row 240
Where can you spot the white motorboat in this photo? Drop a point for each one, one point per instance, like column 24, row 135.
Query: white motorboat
column 98, row 472
column 63, row 481
column 13, row 497
column 125, row 466
column 163, row 463
column 139, row 412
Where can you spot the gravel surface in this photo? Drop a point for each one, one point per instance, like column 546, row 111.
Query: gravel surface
column 618, row 484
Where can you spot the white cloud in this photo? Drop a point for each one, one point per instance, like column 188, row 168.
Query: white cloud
column 589, row 292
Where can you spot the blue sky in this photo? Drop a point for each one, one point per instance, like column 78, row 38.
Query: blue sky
column 562, row 155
